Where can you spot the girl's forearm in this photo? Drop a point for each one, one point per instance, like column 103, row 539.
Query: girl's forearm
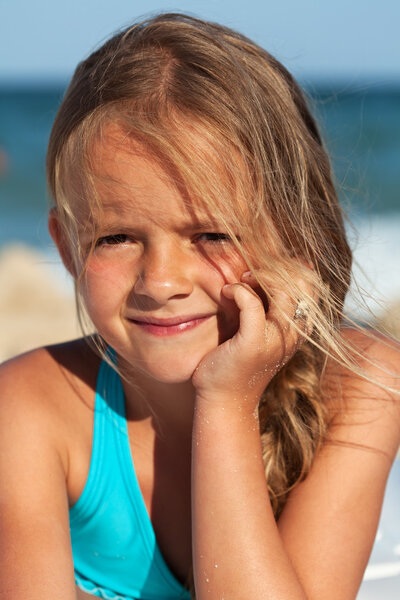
column 237, row 550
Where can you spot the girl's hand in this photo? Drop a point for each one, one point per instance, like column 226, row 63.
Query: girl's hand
column 239, row 369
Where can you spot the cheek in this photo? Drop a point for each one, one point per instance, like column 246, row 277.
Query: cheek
column 228, row 269
column 105, row 285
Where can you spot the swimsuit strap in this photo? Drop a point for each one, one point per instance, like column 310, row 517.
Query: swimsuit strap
column 113, row 540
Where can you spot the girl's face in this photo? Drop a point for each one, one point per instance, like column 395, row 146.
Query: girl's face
column 153, row 283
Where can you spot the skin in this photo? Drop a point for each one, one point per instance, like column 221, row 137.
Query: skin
column 155, row 260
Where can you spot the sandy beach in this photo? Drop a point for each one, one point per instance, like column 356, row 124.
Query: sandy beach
column 37, row 303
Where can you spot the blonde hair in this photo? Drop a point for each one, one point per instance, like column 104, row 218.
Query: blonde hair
column 168, row 81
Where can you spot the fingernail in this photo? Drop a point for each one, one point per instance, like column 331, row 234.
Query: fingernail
column 246, row 274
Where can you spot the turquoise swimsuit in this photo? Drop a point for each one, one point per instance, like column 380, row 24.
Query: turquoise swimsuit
column 114, row 546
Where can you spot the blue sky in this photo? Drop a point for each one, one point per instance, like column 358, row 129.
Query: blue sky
column 356, row 39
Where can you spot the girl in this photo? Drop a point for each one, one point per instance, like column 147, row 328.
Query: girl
column 221, row 422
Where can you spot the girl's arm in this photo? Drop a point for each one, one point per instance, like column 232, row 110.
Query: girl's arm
column 238, row 551
column 329, row 523
column 35, row 551
column 327, row 529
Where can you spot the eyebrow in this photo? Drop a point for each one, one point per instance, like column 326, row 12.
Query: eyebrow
column 208, row 225
column 126, row 211
column 115, row 225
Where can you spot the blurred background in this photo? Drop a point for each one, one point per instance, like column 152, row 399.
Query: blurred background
column 347, row 57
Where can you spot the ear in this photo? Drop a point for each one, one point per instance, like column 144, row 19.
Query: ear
column 58, row 236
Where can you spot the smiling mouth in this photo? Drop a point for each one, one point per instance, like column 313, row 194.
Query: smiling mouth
column 171, row 326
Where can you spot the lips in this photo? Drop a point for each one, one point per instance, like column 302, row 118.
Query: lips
column 169, row 326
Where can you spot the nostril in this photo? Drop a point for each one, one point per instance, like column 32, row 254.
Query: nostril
column 163, row 286
column 165, row 272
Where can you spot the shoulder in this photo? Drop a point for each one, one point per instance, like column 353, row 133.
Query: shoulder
column 40, row 372
column 38, row 389
column 373, row 363
column 363, row 396
column 334, row 512
column 370, row 360
column 375, row 348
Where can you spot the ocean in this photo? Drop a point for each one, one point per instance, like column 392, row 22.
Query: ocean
column 361, row 128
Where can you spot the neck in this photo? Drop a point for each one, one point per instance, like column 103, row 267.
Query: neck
column 163, row 406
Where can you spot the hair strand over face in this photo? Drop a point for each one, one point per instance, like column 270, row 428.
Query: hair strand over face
column 171, row 81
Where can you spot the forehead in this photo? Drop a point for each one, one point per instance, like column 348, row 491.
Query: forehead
column 127, row 174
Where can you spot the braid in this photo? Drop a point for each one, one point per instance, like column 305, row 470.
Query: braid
column 292, row 423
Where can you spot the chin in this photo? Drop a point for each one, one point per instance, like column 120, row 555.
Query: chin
column 171, row 364
column 170, row 373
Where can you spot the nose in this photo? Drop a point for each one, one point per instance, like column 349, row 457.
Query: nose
column 165, row 272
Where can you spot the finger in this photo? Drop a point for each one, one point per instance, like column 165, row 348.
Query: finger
column 300, row 297
column 279, row 303
column 289, row 323
column 250, row 279
column 251, row 310
column 269, row 335
column 289, row 306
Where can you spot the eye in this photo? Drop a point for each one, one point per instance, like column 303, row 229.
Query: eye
column 213, row 237
column 113, row 240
